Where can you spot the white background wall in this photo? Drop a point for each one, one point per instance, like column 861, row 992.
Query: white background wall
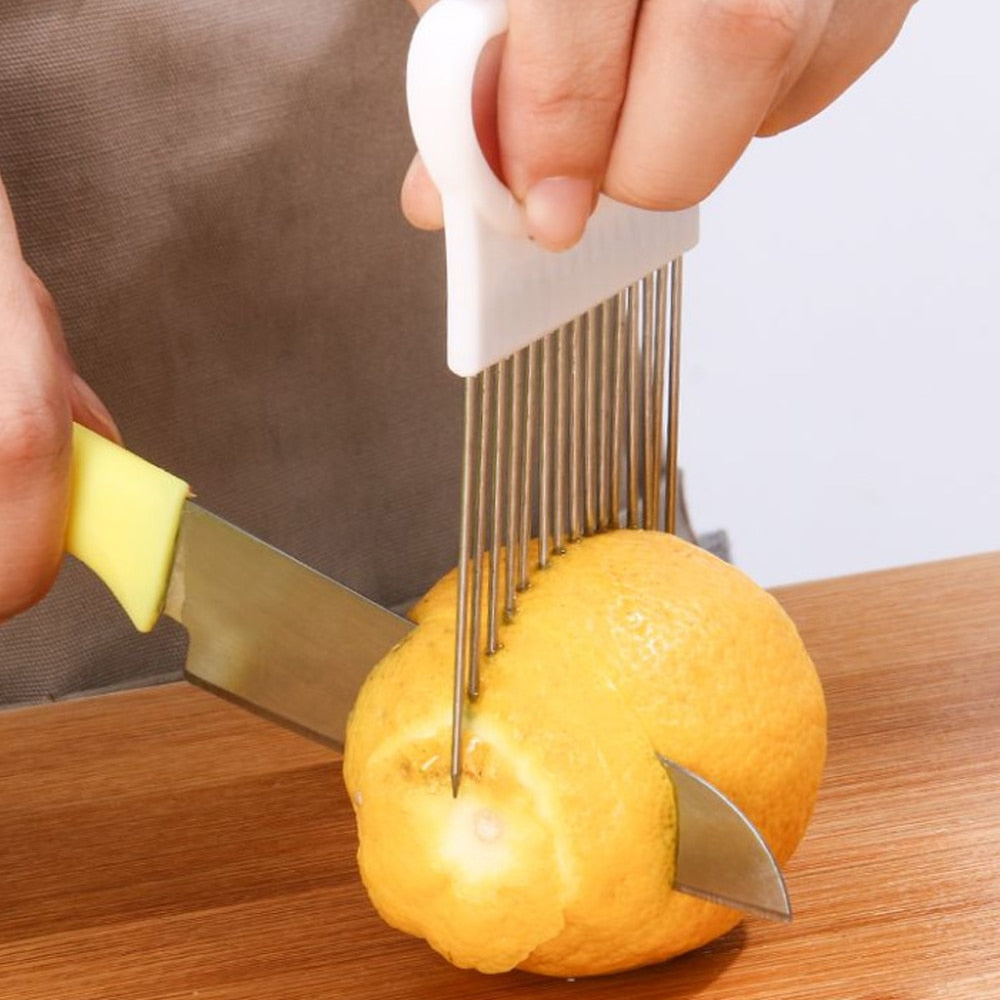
column 841, row 382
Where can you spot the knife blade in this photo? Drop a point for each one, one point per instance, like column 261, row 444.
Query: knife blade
column 270, row 633
column 721, row 856
column 290, row 644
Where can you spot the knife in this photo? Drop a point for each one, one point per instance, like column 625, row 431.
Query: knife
column 288, row 643
column 264, row 629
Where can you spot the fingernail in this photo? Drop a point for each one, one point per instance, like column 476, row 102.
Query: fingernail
column 556, row 210
column 89, row 410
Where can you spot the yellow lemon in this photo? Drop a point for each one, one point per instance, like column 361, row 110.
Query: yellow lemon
column 557, row 855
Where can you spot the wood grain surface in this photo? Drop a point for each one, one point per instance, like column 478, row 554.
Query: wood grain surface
column 164, row 844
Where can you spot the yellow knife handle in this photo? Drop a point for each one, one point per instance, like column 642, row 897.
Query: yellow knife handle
column 123, row 521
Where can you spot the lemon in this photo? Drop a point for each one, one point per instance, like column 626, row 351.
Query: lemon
column 558, row 854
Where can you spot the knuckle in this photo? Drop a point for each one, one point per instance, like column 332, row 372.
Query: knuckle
column 767, row 29
column 559, row 98
column 571, row 126
column 647, row 187
column 572, row 98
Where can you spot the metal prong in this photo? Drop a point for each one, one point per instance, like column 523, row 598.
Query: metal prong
column 576, row 431
column 562, row 408
column 545, row 454
column 530, row 430
column 634, row 393
column 604, row 419
column 618, row 406
column 479, row 543
column 659, row 340
column 496, row 522
column 590, row 393
column 673, row 391
column 647, row 336
column 462, row 612
column 514, row 469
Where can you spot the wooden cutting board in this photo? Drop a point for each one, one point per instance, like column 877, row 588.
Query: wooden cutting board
column 163, row 844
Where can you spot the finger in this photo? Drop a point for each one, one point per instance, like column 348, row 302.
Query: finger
column 562, row 83
column 704, row 74
column 858, row 33
column 35, row 433
column 419, row 197
column 420, row 6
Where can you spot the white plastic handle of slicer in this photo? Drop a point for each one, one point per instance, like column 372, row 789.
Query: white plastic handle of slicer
column 440, row 73
column 504, row 291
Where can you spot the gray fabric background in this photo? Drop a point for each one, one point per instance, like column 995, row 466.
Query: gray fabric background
column 209, row 188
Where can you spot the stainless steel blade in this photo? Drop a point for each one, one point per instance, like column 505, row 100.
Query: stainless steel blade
column 269, row 632
column 721, row 855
